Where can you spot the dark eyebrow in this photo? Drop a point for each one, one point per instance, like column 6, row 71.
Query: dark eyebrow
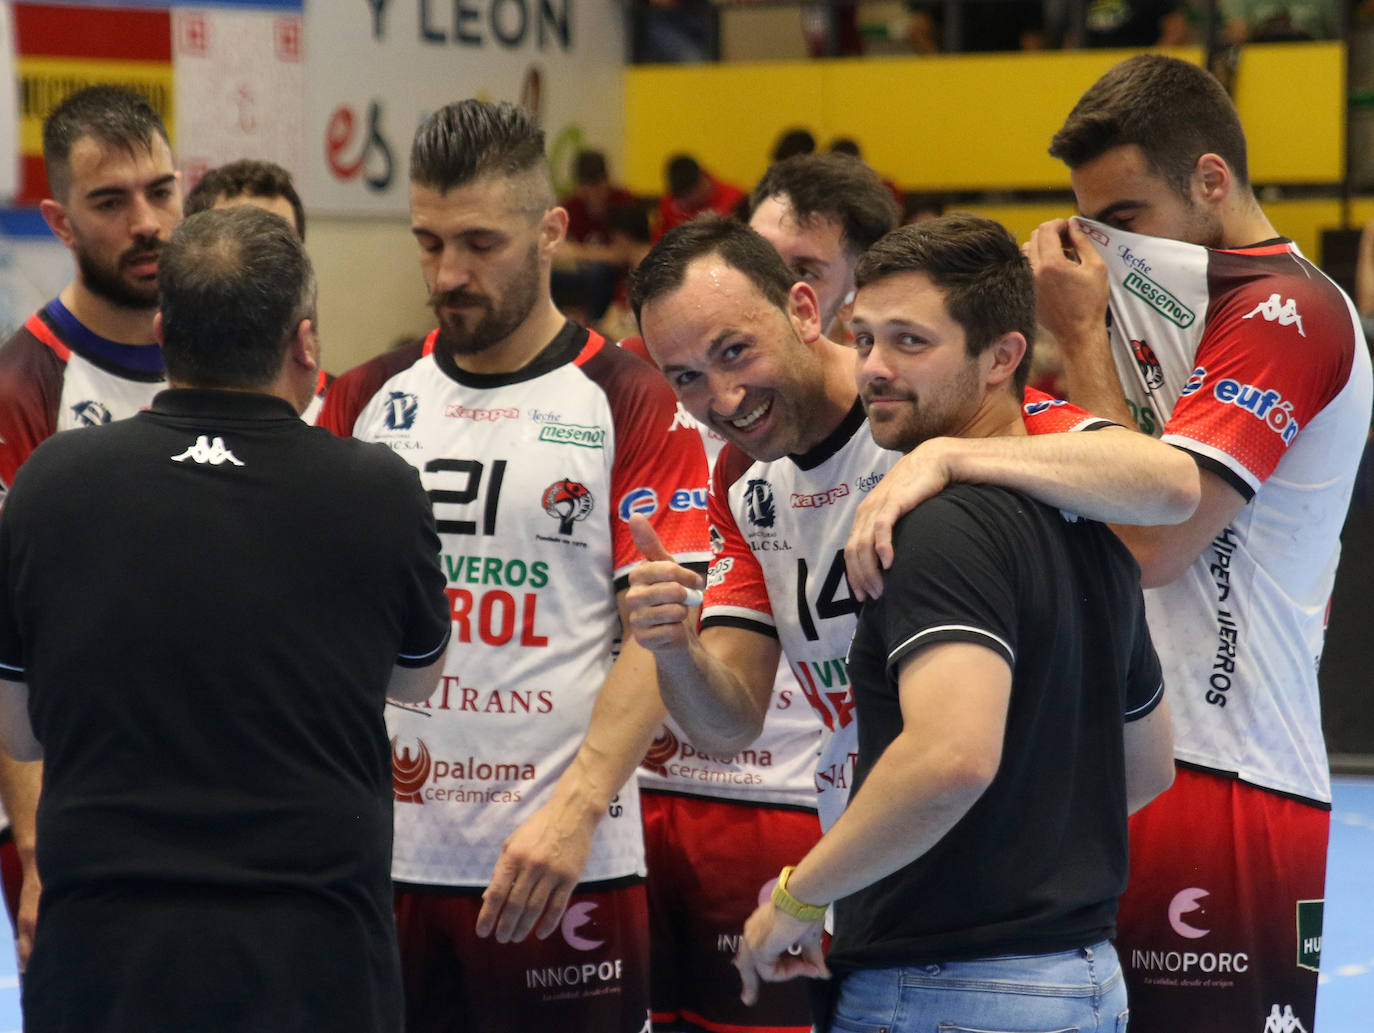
column 100, row 192
column 716, row 343
column 1114, row 208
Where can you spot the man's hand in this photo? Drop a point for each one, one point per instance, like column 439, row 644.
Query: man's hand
column 765, row 950
column 540, row 865
column 662, row 592
column 916, row 477
column 1070, row 283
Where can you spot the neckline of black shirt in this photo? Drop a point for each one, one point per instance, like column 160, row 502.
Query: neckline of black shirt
column 205, row 403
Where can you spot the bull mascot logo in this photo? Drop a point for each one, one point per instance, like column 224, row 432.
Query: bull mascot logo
column 567, row 502
column 1149, row 365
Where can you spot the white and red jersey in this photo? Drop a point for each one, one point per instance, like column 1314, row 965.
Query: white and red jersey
column 779, row 766
column 533, row 476
column 57, row 375
column 778, row 531
column 312, row 411
column 1254, row 362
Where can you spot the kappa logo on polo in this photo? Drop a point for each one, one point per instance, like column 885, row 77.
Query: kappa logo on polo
column 410, row 772
column 208, row 452
column 1150, row 368
column 759, row 504
column 567, row 502
column 400, row 410
column 91, row 413
column 1278, row 310
column 1283, row 1021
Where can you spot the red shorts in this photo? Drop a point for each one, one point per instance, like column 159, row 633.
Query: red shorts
column 11, row 876
column 593, row 974
column 711, row 862
column 1220, row 928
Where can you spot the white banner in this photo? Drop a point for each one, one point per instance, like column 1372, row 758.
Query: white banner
column 240, row 88
column 9, row 108
column 378, row 67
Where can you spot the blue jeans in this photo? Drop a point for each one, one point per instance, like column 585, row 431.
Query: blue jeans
column 1072, row 992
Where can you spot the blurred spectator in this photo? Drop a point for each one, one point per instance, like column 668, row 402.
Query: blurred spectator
column 985, row 26
column 1280, row 21
column 691, row 191
column 848, row 145
column 1132, row 23
column 792, row 142
column 922, row 208
column 671, row 31
column 831, row 29
column 593, row 199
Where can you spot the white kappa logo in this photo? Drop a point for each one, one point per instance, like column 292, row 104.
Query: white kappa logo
column 205, row 451
column 1285, row 1023
column 1275, row 310
column 1185, row 902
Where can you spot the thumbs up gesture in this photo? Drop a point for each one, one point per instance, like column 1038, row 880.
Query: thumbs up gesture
column 662, row 595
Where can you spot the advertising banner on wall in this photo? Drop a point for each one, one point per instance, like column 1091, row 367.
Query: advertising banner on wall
column 376, row 68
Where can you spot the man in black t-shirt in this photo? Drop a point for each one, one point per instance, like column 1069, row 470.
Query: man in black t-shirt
column 1010, row 706
column 203, row 609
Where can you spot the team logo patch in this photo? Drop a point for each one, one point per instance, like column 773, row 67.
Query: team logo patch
column 1150, row 369
column 208, row 453
column 1188, row 902
column 643, row 501
column 410, row 772
column 759, row 504
column 578, row 923
column 1310, row 934
column 568, row 502
column 91, row 413
column 1159, row 298
column 400, row 410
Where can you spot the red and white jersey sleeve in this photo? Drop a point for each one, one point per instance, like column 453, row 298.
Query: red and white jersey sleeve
column 1254, row 362
column 1045, row 414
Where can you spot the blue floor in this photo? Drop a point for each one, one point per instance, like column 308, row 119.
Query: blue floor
column 1346, row 995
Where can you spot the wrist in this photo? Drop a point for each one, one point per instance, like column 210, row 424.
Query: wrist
column 788, row 904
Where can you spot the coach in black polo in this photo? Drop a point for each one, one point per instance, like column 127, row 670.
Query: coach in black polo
column 204, row 607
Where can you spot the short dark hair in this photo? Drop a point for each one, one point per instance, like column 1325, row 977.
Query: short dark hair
column 234, row 284
column 250, row 177
column 832, row 186
column 987, row 282
column 113, row 116
column 1172, row 110
column 589, row 168
column 470, row 139
column 845, row 145
column 683, row 173
column 793, row 142
column 664, row 268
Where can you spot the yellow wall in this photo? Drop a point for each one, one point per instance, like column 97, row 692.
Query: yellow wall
column 974, row 122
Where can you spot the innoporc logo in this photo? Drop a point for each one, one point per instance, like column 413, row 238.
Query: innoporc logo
column 410, row 771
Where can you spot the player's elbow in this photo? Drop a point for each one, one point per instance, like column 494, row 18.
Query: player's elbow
column 1180, row 490
column 1142, row 786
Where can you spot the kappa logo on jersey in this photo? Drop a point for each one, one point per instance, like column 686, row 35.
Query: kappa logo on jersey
column 1195, row 381
column 1159, row 298
column 1148, row 362
column 1284, row 1021
column 1035, row 408
column 409, row 773
column 758, row 502
column 206, row 451
column 683, row 420
column 717, row 540
column 459, row 411
column 1267, row 406
column 820, row 498
column 1277, row 310
column 91, row 413
column 663, row 749
column 400, row 410
column 568, row 502
column 643, row 501
column 1186, row 902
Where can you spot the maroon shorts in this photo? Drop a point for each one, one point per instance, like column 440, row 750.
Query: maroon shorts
column 11, row 876
column 1220, row 929
column 592, row 974
column 711, row 862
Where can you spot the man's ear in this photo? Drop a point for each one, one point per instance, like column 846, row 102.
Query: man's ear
column 305, row 345
column 157, row 328
column 1212, row 180
column 1006, row 353
column 804, row 310
column 553, row 228
column 55, row 215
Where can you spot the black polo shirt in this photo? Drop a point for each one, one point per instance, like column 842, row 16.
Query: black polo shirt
column 207, row 601
column 1037, row 863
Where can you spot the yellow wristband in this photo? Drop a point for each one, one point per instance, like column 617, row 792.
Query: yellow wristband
column 790, row 905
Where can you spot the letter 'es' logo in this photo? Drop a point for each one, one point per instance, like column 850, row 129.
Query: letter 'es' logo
column 1185, row 902
column 410, row 772
column 567, row 502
